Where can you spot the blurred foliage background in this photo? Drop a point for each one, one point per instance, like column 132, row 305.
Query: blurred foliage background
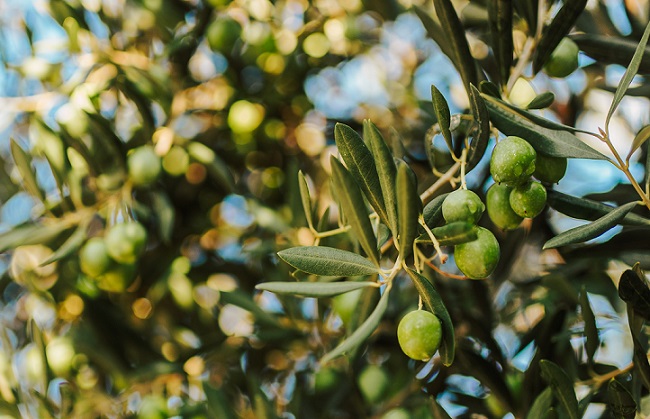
column 236, row 97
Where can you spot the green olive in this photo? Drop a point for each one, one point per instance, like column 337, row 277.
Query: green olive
column 117, row 278
column 222, row 34
column 93, row 257
column 513, row 161
column 462, row 205
column 549, row 169
column 563, row 60
column 144, row 166
column 528, row 200
column 373, row 382
column 478, row 259
column 419, row 334
column 125, row 242
column 498, row 207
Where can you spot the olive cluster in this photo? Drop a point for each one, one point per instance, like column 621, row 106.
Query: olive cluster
column 111, row 260
column 515, row 195
column 478, row 258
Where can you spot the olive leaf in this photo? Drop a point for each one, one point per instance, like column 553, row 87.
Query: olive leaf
column 408, row 209
column 435, row 31
column 558, row 28
column 363, row 332
column 480, row 139
column 32, row 233
column 305, row 198
column 313, row 289
column 500, row 17
column 630, row 72
column 327, row 261
column 23, row 161
column 455, row 34
column 611, row 50
column 592, row 230
column 541, row 405
column 541, row 101
column 620, row 401
column 354, row 208
column 587, row 209
column 634, row 290
column 562, row 387
column 546, row 141
column 640, row 138
column 591, row 330
column 432, row 212
column 433, row 302
column 489, row 88
column 441, row 110
column 386, row 170
column 70, row 245
column 361, row 165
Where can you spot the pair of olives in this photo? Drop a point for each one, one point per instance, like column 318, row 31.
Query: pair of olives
column 111, row 259
column 516, row 196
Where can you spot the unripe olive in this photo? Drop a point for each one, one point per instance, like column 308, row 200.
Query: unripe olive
column 462, row 205
column 563, row 60
column 498, row 207
column 397, row 413
column 326, row 380
column 117, row 278
column 549, row 169
column 373, row 382
column 93, row 257
column 419, row 334
column 125, row 242
column 528, row 200
column 144, row 166
column 478, row 259
column 26, row 269
column 223, row 33
column 513, row 161
column 522, row 93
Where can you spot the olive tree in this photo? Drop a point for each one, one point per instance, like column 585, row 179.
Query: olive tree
column 383, row 209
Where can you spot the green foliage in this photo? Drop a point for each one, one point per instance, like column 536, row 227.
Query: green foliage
column 225, row 209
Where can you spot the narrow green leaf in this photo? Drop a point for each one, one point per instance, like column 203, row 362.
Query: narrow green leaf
column 541, row 405
column 305, row 197
column 433, row 302
column 544, row 140
column 386, row 170
column 528, row 10
column 640, row 357
column 562, row 387
column 23, row 162
column 620, row 401
column 361, row 165
column 592, row 230
column 165, row 215
column 480, row 139
column 488, row 88
column 640, row 138
column 500, row 16
column 455, row 35
column 363, row 332
column 586, row 209
column 243, row 300
column 630, row 72
column 432, row 212
column 441, row 110
column 591, row 330
column 313, row 289
column 321, row 260
column 455, row 233
column 354, row 208
column 74, row 242
column 408, row 209
column 558, row 28
column 541, row 101
column 634, row 290
column 435, row 31
column 31, row 233
column 607, row 49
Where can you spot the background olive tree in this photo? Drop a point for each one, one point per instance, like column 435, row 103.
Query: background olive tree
column 180, row 179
